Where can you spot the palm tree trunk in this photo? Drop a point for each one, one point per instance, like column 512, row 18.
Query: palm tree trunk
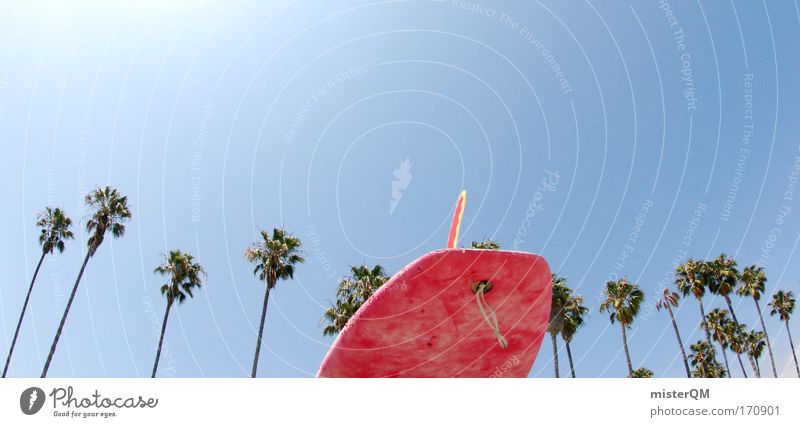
column 555, row 353
column 735, row 322
column 261, row 330
column 703, row 320
column 569, row 357
column 730, row 308
column 161, row 340
column 791, row 344
column 741, row 365
column 627, row 353
column 725, row 357
column 758, row 367
column 22, row 315
column 754, row 366
column 66, row 312
column 680, row 342
column 766, row 335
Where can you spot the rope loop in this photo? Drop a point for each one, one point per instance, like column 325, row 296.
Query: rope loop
column 489, row 315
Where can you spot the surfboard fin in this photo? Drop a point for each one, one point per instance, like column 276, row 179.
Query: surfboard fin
column 455, row 225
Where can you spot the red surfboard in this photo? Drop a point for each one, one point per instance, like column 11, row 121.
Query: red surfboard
column 450, row 313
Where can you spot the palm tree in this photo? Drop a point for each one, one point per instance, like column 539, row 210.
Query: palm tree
column 560, row 297
column 703, row 361
column 667, row 301
column 724, row 277
column 753, row 281
column 109, row 211
column 55, row 230
column 485, row 244
column 754, row 342
column 782, row 304
column 717, row 322
column 692, row 278
column 352, row 293
column 622, row 301
column 642, row 373
column 574, row 316
column 276, row 257
column 736, row 340
column 184, row 276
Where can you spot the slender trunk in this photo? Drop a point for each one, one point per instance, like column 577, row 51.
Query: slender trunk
column 758, row 367
column 754, row 366
column 555, row 353
column 741, row 365
column 766, row 336
column 680, row 342
column 730, row 308
column 22, row 315
column 625, row 346
column 261, row 330
column 735, row 322
column 569, row 357
column 791, row 344
column 703, row 320
column 161, row 340
column 66, row 312
column 725, row 357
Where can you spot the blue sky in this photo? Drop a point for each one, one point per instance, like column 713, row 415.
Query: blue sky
column 221, row 118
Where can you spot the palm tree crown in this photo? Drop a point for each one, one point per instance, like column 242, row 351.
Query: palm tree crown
column 782, row 304
column 725, row 275
column 110, row 210
column 275, row 256
column 692, row 278
column 642, row 373
column 352, row 293
column 623, row 300
column 185, row 275
column 55, row 229
column 485, row 244
column 753, row 282
column 703, row 361
column 574, row 317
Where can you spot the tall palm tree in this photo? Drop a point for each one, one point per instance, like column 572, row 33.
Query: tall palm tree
column 668, row 300
column 704, row 362
column 754, row 342
column 782, row 304
column 717, row 322
column 692, row 278
column 753, row 281
column 724, row 277
column 275, row 257
column 109, row 209
column 560, row 297
column 55, row 230
column 622, row 301
column 736, row 334
column 485, row 244
column 184, row 276
column 574, row 317
column 352, row 293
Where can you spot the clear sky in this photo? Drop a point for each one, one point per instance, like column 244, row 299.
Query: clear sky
column 664, row 130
